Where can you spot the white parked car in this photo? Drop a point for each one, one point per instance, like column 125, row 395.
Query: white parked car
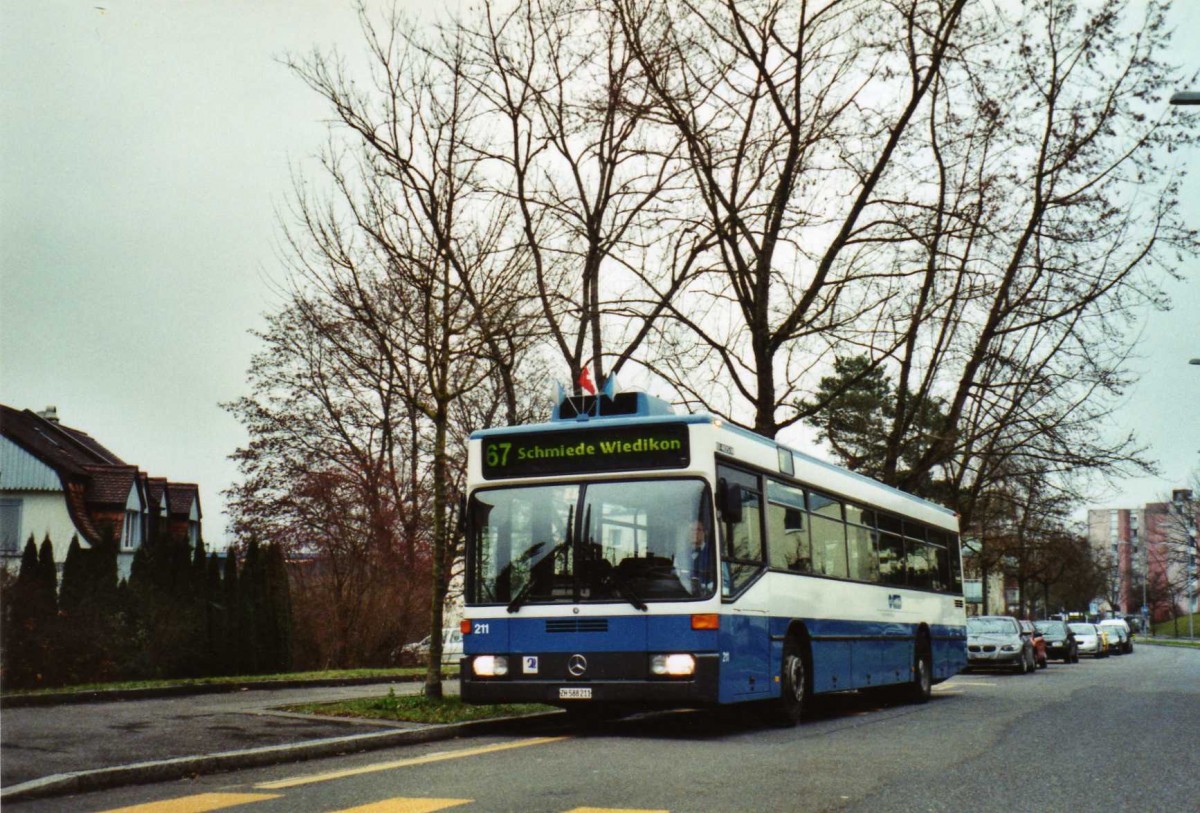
column 452, row 647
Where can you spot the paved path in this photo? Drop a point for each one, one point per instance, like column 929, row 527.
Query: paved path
column 41, row 742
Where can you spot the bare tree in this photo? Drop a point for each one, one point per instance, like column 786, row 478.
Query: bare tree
column 1021, row 527
column 1026, row 221
column 589, row 174
column 791, row 115
column 325, row 476
column 1050, row 220
column 418, row 260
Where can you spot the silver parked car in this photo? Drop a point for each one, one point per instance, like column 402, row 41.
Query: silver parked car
column 997, row 641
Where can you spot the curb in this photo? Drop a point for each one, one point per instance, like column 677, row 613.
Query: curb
column 181, row 767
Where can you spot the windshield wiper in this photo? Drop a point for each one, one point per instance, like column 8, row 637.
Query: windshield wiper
column 520, row 597
column 628, row 592
column 523, row 593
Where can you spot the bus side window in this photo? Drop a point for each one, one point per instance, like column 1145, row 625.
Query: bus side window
column 891, row 559
column 828, row 535
column 947, row 560
column 787, row 528
column 746, row 536
column 864, row 559
column 742, row 540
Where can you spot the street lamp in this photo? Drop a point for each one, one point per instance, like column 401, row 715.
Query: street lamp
column 1190, row 97
column 1191, row 541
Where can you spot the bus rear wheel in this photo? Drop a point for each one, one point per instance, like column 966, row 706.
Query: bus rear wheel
column 793, row 684
column 921, row 687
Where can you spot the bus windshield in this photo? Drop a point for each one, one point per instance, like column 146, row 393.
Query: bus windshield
column 630, row 541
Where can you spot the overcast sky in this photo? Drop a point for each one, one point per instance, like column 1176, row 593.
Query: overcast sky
column 145, row 149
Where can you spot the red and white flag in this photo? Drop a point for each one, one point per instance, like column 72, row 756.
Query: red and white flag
column 585, row 381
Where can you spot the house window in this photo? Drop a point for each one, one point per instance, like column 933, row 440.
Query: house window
column 10, row 525
column 132, row 536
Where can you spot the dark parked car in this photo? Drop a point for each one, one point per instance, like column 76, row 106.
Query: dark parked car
column 1118, row 639
column 1060, row 641
column 1122, row 626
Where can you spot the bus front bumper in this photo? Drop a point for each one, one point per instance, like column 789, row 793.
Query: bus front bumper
column 700, row 689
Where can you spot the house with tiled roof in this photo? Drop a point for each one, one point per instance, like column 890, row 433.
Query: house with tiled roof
column 60, row 482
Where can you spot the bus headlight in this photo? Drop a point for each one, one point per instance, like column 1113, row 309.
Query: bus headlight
column 490, row 666
column 672, row 665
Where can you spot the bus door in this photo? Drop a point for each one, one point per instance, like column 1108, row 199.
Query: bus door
column 745, row 628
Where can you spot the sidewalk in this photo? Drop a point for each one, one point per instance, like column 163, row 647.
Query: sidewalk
column 50, row 751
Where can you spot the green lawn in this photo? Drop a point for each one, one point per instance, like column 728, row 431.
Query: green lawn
column 238, row 680
column 1179, row 627
column 1185, row 643
column 416, row 709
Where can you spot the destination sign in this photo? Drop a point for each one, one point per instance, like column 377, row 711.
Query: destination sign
column 597, row 448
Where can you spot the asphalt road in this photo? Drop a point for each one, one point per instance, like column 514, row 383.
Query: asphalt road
column 39, row 742
column 1119, row 734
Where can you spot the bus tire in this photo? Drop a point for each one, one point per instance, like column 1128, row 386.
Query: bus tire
column 793, row 683
column 921, row 687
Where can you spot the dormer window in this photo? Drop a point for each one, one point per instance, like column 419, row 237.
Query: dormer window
column 133, row 530
column 194, row 525
column 131, row 534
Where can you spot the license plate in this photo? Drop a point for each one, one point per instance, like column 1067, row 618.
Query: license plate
column 574, row 694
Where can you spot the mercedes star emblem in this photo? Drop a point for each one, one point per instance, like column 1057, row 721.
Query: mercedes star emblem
column 577, row 665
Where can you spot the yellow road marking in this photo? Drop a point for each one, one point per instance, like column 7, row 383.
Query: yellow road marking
column 199, row 803
column 404, row 763
column 407, row 806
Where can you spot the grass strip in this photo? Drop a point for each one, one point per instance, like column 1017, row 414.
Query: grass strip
column 1163, row 642
column 1177, row 627
column 315, row 677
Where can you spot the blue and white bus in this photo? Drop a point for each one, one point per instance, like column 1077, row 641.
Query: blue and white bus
column 622, row 556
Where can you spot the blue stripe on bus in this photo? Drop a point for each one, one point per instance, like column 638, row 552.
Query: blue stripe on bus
column 624, row 633
column 846, row 654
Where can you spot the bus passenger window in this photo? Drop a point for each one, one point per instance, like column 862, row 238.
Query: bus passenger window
column 787, row 538
column 864, row 559
column 941, row 540
column 891, row 559
column 922, row 564
column 829, row 546
column 941, row 579
column 788, row 544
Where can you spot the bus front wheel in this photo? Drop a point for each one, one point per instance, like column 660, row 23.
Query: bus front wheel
column 793, row 688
